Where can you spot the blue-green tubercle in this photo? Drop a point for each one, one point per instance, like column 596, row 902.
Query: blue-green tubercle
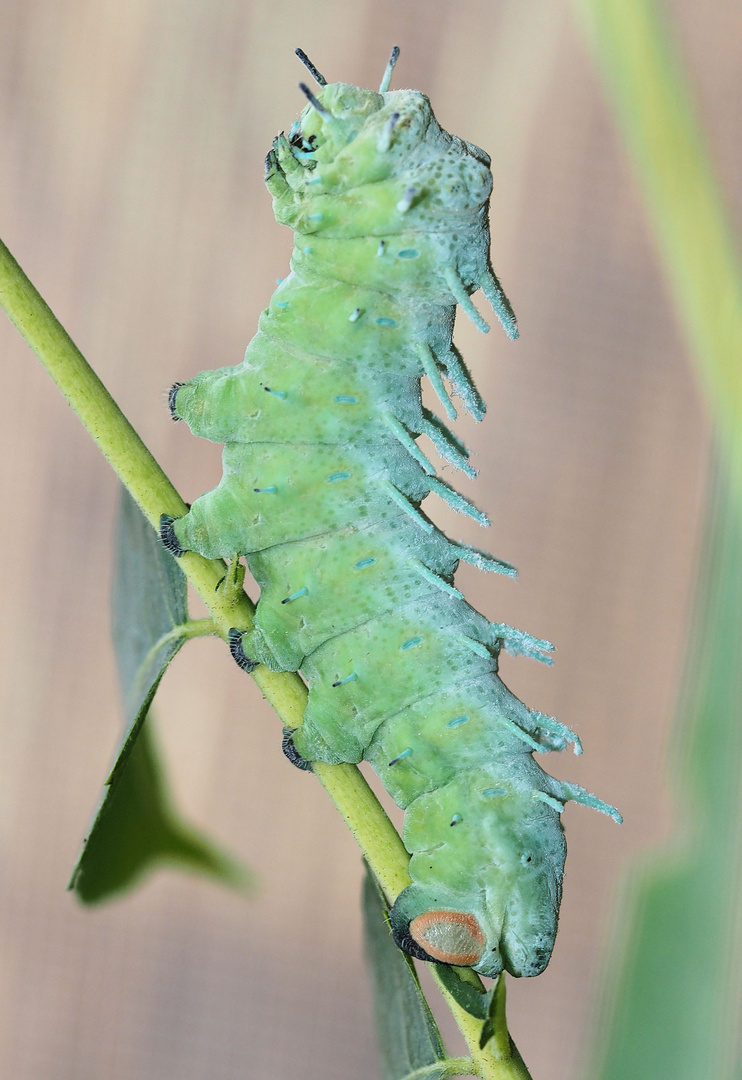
column 322, row 486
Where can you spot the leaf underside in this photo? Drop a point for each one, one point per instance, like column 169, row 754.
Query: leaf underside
column 135, row 828
column 408, row 1036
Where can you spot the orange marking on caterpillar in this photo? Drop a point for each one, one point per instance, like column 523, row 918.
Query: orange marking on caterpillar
column 452, row 937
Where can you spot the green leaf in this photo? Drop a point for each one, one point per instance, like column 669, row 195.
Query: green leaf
column 489, row 1027
column 135, row 830
column 469, row 995
column 135, row 827
column 409, row 1040
column 149, row 604
column 675, row 1002
column 676, row 996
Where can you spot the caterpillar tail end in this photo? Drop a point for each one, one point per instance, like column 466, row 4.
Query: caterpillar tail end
column 404, row 940
column 438, row 932
column 445, row 927
column 168, row 539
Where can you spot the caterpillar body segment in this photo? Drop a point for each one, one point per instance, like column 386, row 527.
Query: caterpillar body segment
column 322, row 490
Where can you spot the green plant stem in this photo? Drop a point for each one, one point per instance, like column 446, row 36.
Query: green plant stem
column 500, row 1057
column 442, row 1070
column 228, row 607
column 192, row 628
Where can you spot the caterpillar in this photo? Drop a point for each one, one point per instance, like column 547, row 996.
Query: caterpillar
column 321, row 492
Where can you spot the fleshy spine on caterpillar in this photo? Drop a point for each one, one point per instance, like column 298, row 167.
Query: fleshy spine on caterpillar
column 322, row 486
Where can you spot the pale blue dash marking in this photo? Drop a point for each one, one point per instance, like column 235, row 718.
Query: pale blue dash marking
column 337, row 476
column 346, row 399
column 295, row 596
column 363, row 563
column 307, row 251
column 490, row 791
column 456, row 819
column 399, row 757
column 315, row 180
column 282, row 303
column 279, row 281
column 385, row 321
column 302, row 155
column 408, row 253
column 348, row 678
column 381, row 248
column 411, row 643
column 266, row 490
column 276, row 393
column 457, row 721
column 314, row 217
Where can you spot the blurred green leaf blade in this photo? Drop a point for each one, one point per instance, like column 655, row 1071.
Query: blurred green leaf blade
column 135, row 828
column 641, row 66
column 408, row 1036
column 676, row 988
column 676, row 998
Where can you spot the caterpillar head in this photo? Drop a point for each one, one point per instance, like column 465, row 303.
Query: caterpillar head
column 334, row 118
column 349, row 136
column 361, row 166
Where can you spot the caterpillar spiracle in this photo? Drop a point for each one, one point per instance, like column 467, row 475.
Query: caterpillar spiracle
column 321, row 491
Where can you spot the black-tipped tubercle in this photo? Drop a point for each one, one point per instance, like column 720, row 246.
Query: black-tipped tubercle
column 316, row 75
column 389, row 69
column 287, row 745
column 238, row 653
column 171, row 396
column 168, row 539
column 315, row 102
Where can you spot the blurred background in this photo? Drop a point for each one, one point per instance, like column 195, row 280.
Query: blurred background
column 131, row 192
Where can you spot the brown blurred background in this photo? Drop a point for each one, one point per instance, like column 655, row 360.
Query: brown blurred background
column 131, row 145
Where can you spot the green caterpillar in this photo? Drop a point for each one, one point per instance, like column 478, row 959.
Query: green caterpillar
column 322, row 485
